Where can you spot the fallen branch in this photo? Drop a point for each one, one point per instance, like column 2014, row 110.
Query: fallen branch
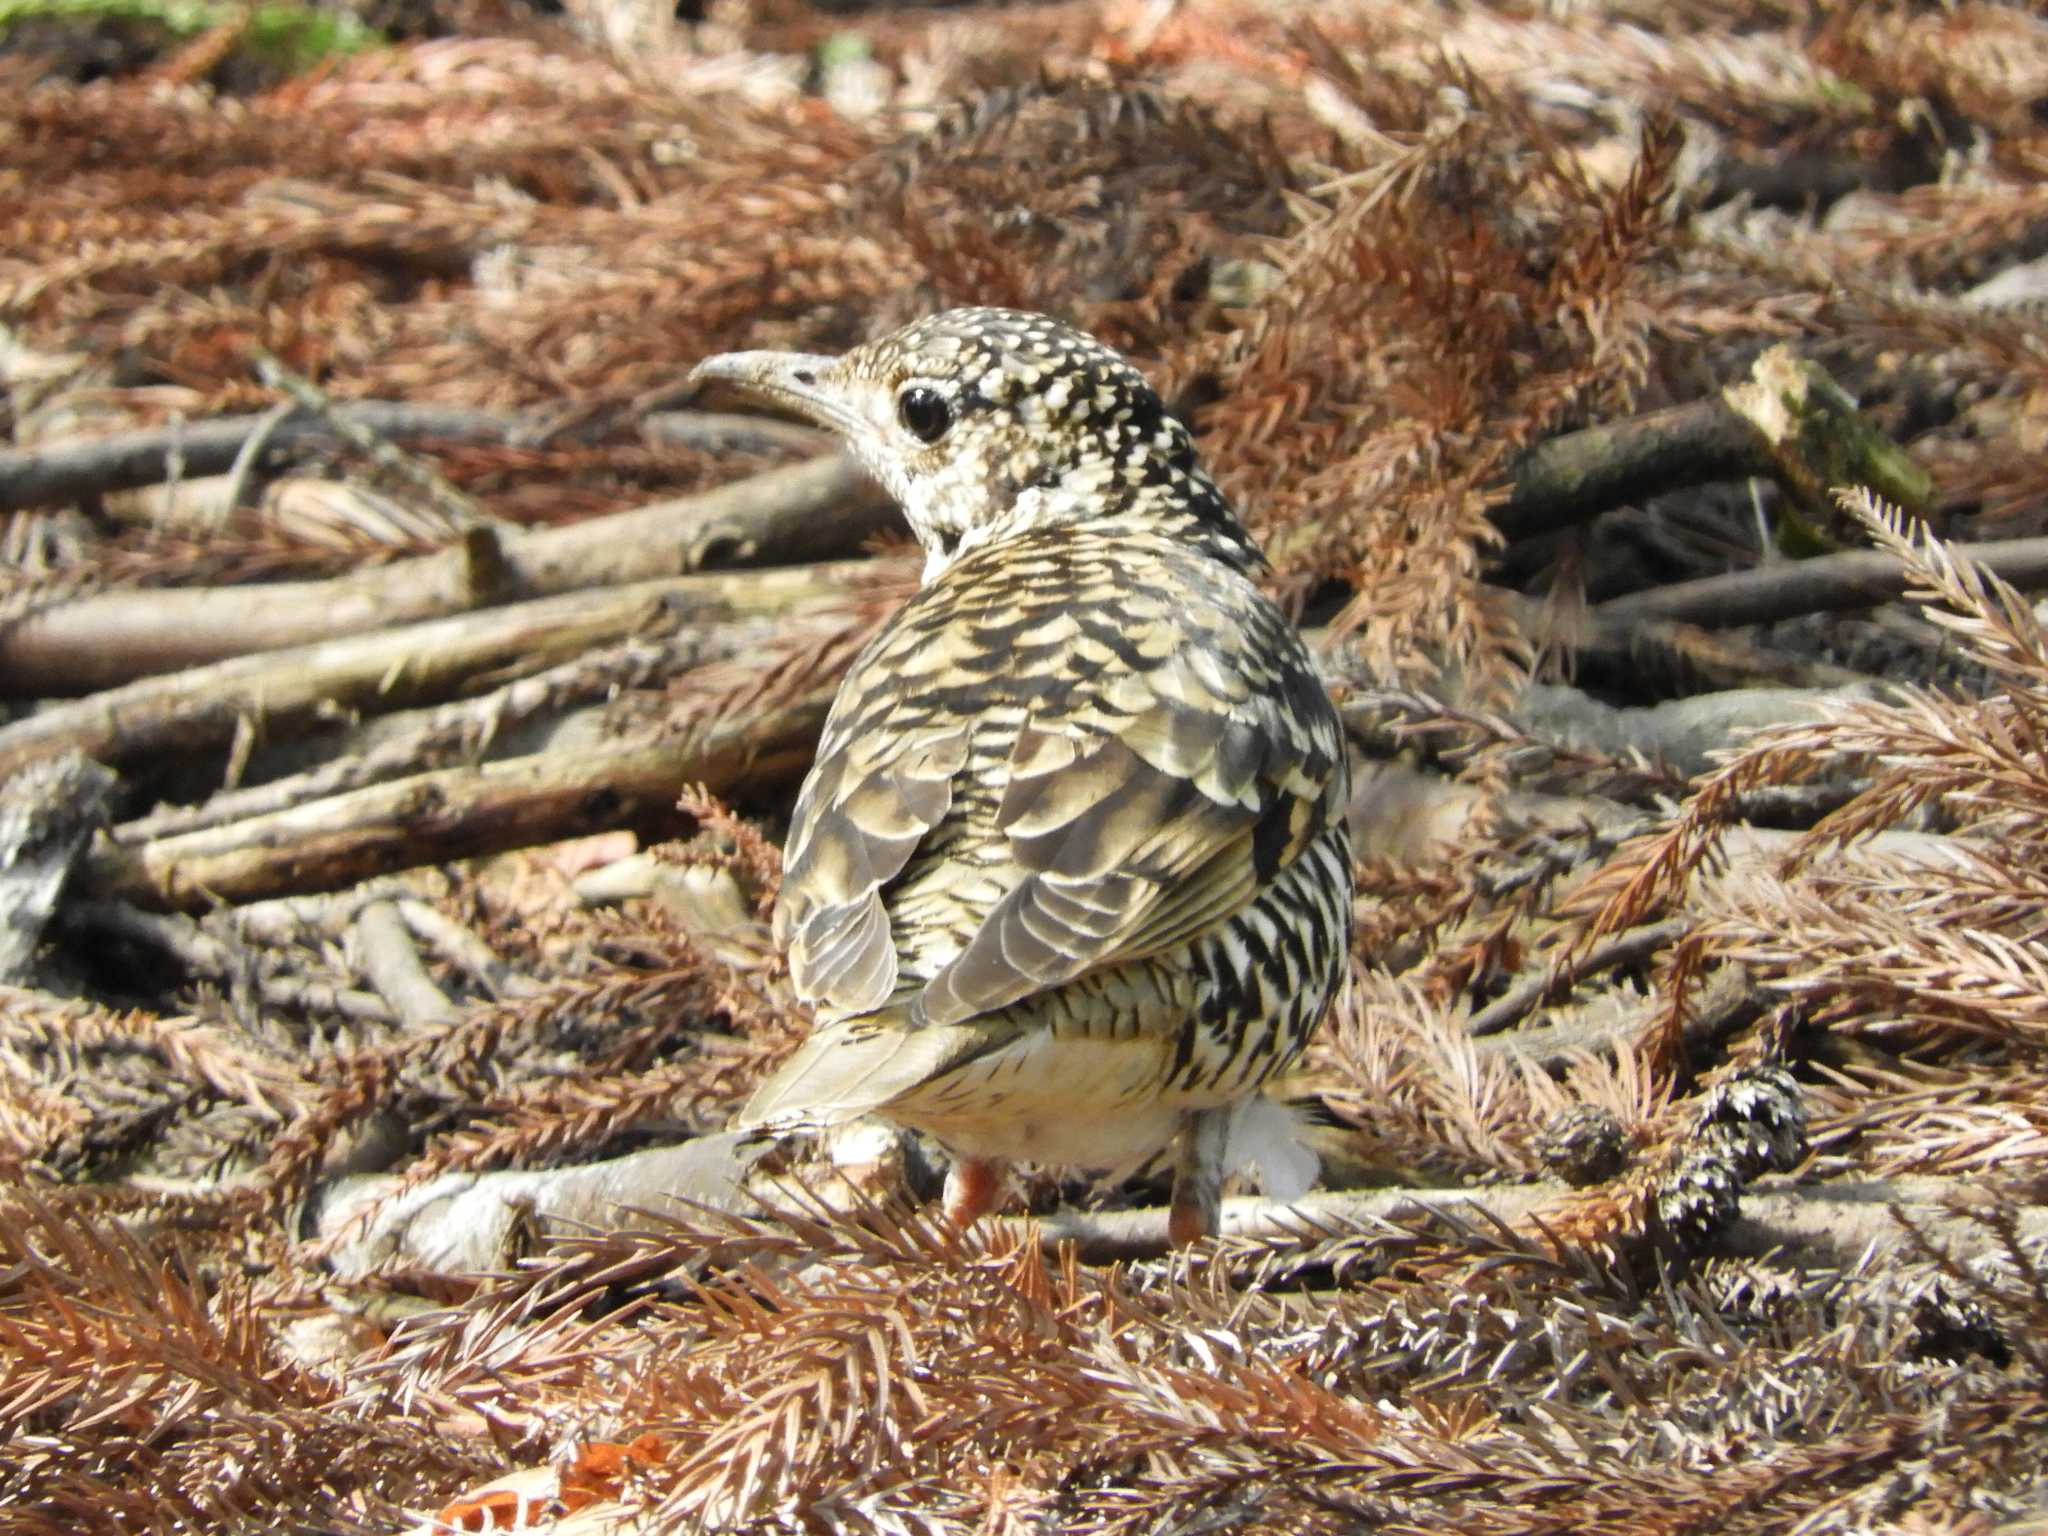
column 1548, row 981
column 444, row 735
column 460, row 510
column 456, row 813
column 415, row 663
column 204, row 954
column 1825, row 584
column 382, row 948
column 824, row 509
column 464, row 949
column 1574, row 478
column 1819, row 1223
column 1610, row 1022
column 124, row 461
column 1658, row 657
column 465, row 1223
column 1788, row 420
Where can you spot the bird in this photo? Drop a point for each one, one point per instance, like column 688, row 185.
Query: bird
column 1070, row 877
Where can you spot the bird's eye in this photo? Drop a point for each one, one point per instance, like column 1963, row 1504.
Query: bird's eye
column 924, row 413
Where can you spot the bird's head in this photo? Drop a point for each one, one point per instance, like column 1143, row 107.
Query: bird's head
column 988, row 423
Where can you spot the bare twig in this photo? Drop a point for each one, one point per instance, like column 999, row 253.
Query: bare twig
column 1827, row 583
column 382, row 948
column 1611, row 1022
column 455, row 813
column 245, row 460
column 205, row 954
column 126, row 460
column 459, row 946
column 1531, row 990
column 394, row 667
column 459, row 509
column 1830, row 1222
column 441, row 736
column 1574, row 478
column 1787, row 420
column 819, row 510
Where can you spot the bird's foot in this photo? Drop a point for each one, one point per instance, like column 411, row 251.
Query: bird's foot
column 974, row 1187
column 1198, row 1176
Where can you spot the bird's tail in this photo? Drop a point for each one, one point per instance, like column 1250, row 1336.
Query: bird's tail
column 855, row 1066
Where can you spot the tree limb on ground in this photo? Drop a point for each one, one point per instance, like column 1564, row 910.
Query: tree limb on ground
column 391, row 667
column 125, row 461
column 463, row 1222
column 1787, row 420
column 456, row 813
column 502, row 723
column 823, row 509
column 1827, row 583
column 1821, row 1223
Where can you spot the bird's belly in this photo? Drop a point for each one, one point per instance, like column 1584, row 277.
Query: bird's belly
column 1074, row 1102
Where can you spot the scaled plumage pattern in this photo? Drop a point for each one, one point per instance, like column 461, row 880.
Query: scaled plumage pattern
column 1071, row 873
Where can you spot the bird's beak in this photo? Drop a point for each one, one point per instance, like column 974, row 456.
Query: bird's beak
column 798, row 382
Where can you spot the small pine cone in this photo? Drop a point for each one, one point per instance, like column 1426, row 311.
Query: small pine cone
column 1583, row 1145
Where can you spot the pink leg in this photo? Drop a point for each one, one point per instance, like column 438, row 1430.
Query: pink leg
column 974, row 1187
column 1198, row 1177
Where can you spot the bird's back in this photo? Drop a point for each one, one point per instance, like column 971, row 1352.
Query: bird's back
column 1110, row 718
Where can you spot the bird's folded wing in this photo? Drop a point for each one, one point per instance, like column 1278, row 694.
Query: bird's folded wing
column 860, row 818
column 1139, row 824
column 1141, row 813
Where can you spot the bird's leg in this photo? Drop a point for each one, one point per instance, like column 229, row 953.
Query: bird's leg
column 974, row 1186
column 1198, row 1175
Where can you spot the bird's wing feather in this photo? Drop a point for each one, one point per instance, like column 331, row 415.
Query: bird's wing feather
column 1144, row 817
column 862, row 814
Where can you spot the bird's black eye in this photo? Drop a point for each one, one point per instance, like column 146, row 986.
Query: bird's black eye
column 924, row 413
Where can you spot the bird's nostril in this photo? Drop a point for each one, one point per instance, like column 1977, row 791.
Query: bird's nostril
column 805, row 377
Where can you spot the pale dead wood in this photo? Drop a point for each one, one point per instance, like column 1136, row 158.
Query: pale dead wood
column 1531, row 990
column 396, row 464
column 382, row 948
column 1683, row 734
column 207, row 955
column 126, row 460
column 1688, row 658
column 463, row 948
column 1825, row 584
column 441, row 736
column 455, row 813
column 470, row 1222
column 397, row 666
column 1613, row 1021
column 821, row 510
column 1575, row 477
column 1833, row 1223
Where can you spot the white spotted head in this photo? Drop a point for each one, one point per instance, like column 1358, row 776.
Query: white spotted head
column 990, row 423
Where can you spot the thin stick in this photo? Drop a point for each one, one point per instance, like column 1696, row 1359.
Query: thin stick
column 1821, row 1223
column 1828, row 583
column 460, row 510
column 395, row 667
column 1538, row 986
column 455, row 813
column 124, row 461
column 823, row 509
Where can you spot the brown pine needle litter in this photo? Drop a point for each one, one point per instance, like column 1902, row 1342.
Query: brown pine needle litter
column 367, row 1046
